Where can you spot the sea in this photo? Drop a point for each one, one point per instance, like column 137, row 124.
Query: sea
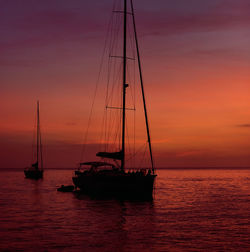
column 191, row 210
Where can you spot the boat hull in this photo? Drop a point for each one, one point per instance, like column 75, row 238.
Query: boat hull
column 122, row 185
column 33, row 174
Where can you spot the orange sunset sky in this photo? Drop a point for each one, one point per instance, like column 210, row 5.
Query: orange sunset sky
column 196, row 65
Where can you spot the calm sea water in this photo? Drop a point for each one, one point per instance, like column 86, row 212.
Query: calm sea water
column 192, row 210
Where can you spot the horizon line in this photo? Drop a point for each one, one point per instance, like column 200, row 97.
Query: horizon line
column 160, row 168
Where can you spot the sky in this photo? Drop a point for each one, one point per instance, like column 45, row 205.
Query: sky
column 196, row 67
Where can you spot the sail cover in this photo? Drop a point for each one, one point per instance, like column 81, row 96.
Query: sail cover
column 111, row 155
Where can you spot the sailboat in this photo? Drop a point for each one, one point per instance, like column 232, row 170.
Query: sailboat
column 112, row 177
column 35, row 171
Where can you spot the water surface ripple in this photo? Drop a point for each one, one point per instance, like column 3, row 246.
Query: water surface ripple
column 192, row 210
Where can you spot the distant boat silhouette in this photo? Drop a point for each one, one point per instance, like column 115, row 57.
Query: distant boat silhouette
column 105, row 178
column 34, row 172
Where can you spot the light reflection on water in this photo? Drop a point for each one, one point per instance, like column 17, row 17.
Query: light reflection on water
column 192, row 210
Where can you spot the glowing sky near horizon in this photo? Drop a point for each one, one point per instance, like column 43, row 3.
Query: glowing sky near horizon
column 196, row 65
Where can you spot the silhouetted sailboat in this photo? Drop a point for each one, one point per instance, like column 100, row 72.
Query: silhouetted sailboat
column 105, row 178
column 34, row 172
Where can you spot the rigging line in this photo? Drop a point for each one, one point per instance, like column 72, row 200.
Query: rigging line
column 109, row 117
column 130, row 37
column 132, row 49
column 116, row 30
column 113, row 63
column 104, row 119
column 117, row 135
column 134, row 136
column 112, row 119
column 95, row 92
column 131, row 78
column 116, row 74
column 41, row 150
column 142, row 88
column 108, row 107
column 37, row 135
column 115, row 86
column 117, row 128
column 113, row 91
column 139, row 150
column 116, row 26
column 119, row 27
column 134, row 100
column 33, row 140
column 103, row 125
column 120, row 57
column 129, row 149
column 40, row 138
column 109, row 128
column 111, row 47
column 117, row 11
column 112, row 30
column 113, row 132
column 142, row 157
column 130, row 84
column 114, row 136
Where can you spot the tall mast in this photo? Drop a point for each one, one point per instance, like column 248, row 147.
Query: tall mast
column 37, row 135
column 142, row 87
column 124, row 83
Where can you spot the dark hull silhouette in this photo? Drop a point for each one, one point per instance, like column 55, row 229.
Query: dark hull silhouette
column 113, row 180
column 33, row 174
column 115, row 184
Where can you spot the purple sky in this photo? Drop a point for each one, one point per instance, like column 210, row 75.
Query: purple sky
column 196, row 59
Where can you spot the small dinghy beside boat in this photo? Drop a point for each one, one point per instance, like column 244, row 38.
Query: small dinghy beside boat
column 68, row 188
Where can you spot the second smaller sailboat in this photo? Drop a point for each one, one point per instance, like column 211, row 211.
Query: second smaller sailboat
column 36, row 169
